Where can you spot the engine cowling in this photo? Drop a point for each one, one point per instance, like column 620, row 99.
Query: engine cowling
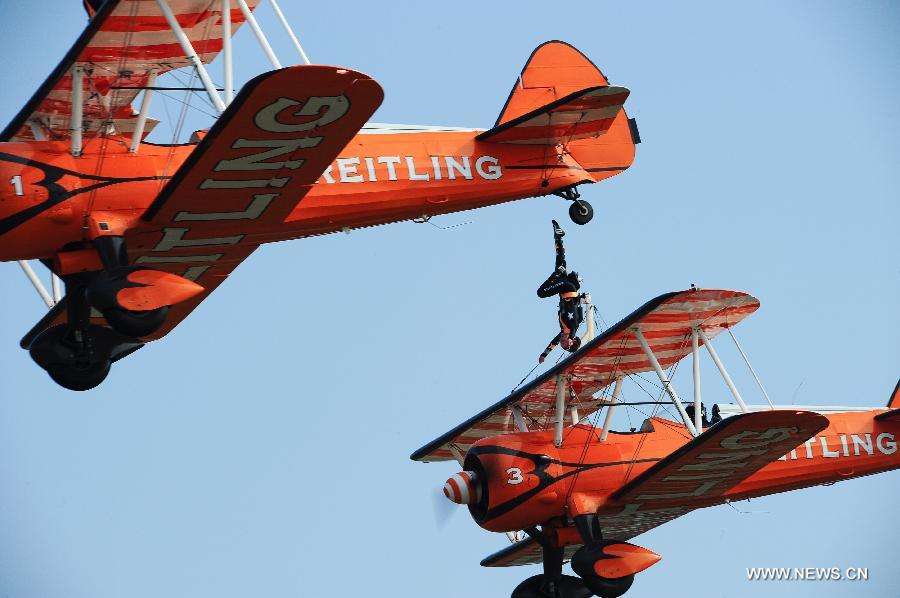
column 516, row 488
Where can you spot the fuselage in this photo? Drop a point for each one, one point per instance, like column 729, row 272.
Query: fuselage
column 381, row 176
column 530, row 481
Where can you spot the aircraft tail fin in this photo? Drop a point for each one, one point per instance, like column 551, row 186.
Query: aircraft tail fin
column 894, row 402
column 894, row 405
column 562, row 98
column 553, row 71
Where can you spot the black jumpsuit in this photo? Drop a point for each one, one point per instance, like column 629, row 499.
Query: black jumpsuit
column 571, row 313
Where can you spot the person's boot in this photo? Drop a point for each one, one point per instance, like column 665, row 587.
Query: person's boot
column 558, row 233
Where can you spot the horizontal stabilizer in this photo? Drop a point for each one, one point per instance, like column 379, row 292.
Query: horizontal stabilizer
column 891, row 416
column 586, row 113
column 703, row 470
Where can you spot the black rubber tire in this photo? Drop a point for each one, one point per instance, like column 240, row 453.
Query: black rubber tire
column 80, row 378
column 136, row 323
column 568, row 587
column 581, row 212
column 608, row 588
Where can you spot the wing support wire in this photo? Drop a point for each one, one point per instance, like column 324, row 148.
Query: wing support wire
column 752, row 371
column 191, row 54
column 664, row 380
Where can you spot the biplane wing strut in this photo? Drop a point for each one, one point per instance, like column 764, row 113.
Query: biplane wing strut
column 657, row 335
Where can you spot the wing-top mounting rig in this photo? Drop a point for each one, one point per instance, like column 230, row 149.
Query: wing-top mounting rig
column 535, row 461
column 139, row 233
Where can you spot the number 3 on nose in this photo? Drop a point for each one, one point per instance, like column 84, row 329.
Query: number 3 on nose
column 515, row 476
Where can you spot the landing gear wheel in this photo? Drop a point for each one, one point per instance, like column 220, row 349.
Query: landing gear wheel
column 136, row 323
column 581, row 212
column 70, row 366
column 79, row 359
column 80, row 377
column 608, row 588
column 539, row 586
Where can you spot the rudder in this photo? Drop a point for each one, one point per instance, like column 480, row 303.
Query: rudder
column 556, row 71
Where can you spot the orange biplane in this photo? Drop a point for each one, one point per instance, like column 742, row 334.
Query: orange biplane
column 141, row 233
column 534, row 462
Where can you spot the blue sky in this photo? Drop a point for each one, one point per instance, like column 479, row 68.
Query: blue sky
column 262, row 448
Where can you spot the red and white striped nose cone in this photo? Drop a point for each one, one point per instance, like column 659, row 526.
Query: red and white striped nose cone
column 463, row 488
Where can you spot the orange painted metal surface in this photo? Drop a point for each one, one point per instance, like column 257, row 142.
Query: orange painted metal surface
column 627, row 559
column 289, row 158
column 529, row 481
column 155, row 289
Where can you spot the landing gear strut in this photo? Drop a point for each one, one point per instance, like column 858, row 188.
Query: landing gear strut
column 581, row 212
column 551, row 583
column 605, row 568
column 106, row 284
column 77, row 355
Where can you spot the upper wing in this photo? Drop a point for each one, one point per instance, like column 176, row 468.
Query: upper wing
column 123, row 42
column 585, row 113
column 666, row 323
column 700, row 473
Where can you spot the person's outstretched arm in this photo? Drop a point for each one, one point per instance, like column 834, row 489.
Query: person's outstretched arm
column 549, row 348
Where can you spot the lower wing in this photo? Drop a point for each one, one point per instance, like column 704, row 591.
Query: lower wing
column 700, row 473
column 237, row 187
